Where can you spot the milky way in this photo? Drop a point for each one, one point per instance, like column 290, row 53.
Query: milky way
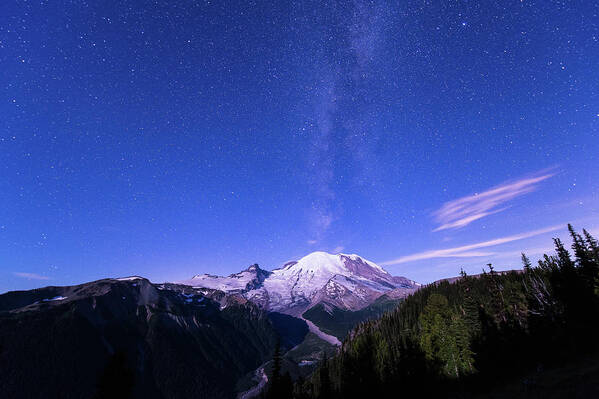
column 179, row 137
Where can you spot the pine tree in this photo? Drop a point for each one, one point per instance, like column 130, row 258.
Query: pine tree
column 563, row 256
column 579, row 246
column 584, row 259
column 497, row 302
column 276, row 360
column 471, row 306
column 463, row 361
column 526, row 263
column 548, row 263
column 444, row 337
column 592, row 260
column 592, row 244
column 280, row 387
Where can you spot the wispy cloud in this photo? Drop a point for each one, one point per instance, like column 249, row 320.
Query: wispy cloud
column 466, row 251
column 31, row 276
column 463, row 211
column 338, row 249
column 528, row 251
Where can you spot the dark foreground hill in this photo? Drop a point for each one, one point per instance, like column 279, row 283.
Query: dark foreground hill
column 529, row 334
column 130, row 338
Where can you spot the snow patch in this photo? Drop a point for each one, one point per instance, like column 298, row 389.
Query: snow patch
column 355, row 257
column 307, row 362
column 129, row 278
column 56, row 298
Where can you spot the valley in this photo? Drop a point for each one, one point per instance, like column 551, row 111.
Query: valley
column 207, row 326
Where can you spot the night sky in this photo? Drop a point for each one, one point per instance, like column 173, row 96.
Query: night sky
column 170, row 138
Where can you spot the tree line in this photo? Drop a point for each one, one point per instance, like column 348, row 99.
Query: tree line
column 472, row 336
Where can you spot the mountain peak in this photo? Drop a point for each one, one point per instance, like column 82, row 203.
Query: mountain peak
column 320, row 262
column 255, row 268
column 348, row 280
column 337, row 263
column 318, row 255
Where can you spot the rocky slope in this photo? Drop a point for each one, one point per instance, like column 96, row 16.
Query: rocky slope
column 115, row 337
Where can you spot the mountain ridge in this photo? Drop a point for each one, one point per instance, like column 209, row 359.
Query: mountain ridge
column 345, row 281
column 128, row 334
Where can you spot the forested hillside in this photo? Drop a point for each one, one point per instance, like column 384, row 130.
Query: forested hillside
column 339, row 322
column 515, row 334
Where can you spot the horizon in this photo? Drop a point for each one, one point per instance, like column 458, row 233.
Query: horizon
column 177, row 139
column 534, row 257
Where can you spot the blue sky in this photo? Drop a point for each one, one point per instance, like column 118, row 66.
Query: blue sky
column 172, row 139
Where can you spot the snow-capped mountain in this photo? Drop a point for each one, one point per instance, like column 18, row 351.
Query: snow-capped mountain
column 246, row 280
column 340, row 280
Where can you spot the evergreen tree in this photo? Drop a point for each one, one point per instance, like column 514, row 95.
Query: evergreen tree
column 548, row 263
column 444, row 337
column 592, row 244
column 471, row 307
column 584, row 259
column 563, row 256
column 280, row 386
column 593, row 260
column 497, row 302
column 526, row 263
column 276, row 364
column 581, row 251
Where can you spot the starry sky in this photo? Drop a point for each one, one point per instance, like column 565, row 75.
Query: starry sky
column 170, row 138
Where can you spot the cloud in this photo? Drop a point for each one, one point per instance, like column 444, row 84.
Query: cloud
column 338, row 249
column 528, row 251
column 31, row 276
column 465, row 251
column 463, row 211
